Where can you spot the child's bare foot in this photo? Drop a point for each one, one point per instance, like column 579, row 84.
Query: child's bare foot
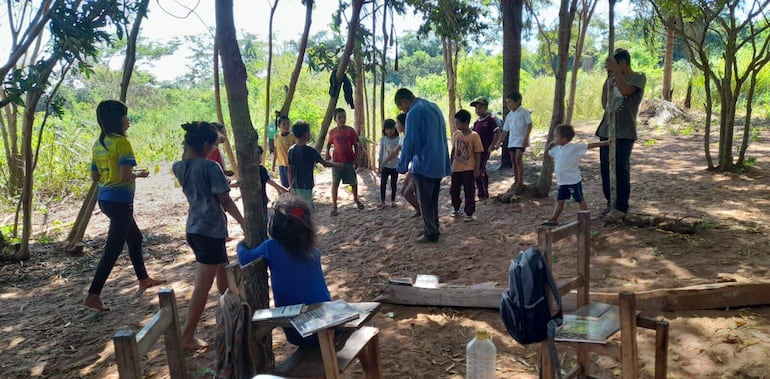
column 95, row 302
column 392, row 204
column 195, row 344
column 146, row 283
column 381, row 205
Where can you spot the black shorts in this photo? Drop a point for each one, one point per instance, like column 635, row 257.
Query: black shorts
column 574, row 191
column 209, row 251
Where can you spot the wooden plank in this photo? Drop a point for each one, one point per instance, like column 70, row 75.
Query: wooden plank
column 354, row 346
column 704, row 296
column 629, row 351
column 151, row 331
column 565, row 231
column 442, row 297
column 567, row 285
column 609, row 349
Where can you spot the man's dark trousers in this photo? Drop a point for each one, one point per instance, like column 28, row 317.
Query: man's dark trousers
column 427, row 195
column 623, row 149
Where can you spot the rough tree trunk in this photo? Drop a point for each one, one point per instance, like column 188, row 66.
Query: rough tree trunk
column 246, row 138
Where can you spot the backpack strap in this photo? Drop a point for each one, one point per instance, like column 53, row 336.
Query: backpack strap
column 555, row 321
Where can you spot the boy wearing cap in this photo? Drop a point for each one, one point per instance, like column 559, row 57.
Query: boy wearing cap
column 487, row 128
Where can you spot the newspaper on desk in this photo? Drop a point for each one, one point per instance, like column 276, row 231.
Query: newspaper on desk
column 329, row 314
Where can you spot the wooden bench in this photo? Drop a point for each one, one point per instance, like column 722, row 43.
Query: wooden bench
column 627, row 352
column 250, row 282
column 130, row 347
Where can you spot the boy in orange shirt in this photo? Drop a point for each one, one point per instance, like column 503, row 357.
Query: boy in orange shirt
column 466, row 159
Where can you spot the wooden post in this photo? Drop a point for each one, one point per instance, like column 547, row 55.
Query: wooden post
column 172, row 337
column 609, row 108
column 583, row 235
column 127, row 354
column 661, row 349
column 373, row 369
column 629, row 352
column 328, row 353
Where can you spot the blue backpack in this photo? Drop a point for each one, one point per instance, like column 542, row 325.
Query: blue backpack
column 525, row 308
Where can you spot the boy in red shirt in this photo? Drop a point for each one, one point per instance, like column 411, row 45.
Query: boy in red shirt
column 345, row 141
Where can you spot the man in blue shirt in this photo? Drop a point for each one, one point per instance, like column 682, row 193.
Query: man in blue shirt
column 425, row 147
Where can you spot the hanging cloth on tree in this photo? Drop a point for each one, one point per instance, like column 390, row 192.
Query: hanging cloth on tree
column 347, row 88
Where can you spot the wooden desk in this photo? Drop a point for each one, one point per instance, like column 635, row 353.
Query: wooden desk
column 366, row 310
column 329, row 354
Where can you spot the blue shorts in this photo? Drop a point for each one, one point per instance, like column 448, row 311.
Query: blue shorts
column 574, row 191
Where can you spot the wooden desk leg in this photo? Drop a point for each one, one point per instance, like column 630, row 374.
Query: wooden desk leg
column 329, row 353
column 546, row 369
column 370, row 359
column 629, row 351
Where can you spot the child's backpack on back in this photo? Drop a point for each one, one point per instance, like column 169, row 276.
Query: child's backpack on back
column 525, row 307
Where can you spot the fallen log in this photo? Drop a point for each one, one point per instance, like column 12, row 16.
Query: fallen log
column 705, row 296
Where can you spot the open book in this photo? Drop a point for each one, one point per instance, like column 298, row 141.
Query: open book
column 278, row 312
column 329, row 314
column 593, row 323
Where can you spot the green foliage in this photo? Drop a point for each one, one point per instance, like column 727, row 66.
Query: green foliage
column 431, row 86
column 480, row 74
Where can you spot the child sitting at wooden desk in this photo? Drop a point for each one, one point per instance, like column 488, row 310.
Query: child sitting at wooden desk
column 294, row 261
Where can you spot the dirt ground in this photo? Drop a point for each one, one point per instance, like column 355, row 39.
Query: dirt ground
column 45, row 331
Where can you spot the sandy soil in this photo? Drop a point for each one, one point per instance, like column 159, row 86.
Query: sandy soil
column 46, row 332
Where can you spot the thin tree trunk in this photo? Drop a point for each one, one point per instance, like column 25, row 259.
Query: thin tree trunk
column 32, row 99
column 128, row 63
column 220, row 117
column 610, row 112
column 449, row 48
column 709, row 107
column 668, row 60
column 300, row 58
column 355, row 17
column 585, row 16
column 747, row 122
column 246, row 138
column 384, row 57
column 512, row 25
column 269, row 75
column 566, row 16
column 360, row 111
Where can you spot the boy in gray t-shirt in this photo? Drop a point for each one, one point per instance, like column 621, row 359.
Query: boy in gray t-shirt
column 302, row 161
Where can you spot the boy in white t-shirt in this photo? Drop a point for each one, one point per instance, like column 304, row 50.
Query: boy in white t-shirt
column 516, row 130
column 567, row 156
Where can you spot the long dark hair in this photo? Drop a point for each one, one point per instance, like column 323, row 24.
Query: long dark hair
column 292, row 226
column 198, row 133
column 109, row 115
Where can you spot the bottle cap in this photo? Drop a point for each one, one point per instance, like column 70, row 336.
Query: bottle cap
column 481, row 334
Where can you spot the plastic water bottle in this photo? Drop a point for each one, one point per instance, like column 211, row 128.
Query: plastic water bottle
column 480, row 356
